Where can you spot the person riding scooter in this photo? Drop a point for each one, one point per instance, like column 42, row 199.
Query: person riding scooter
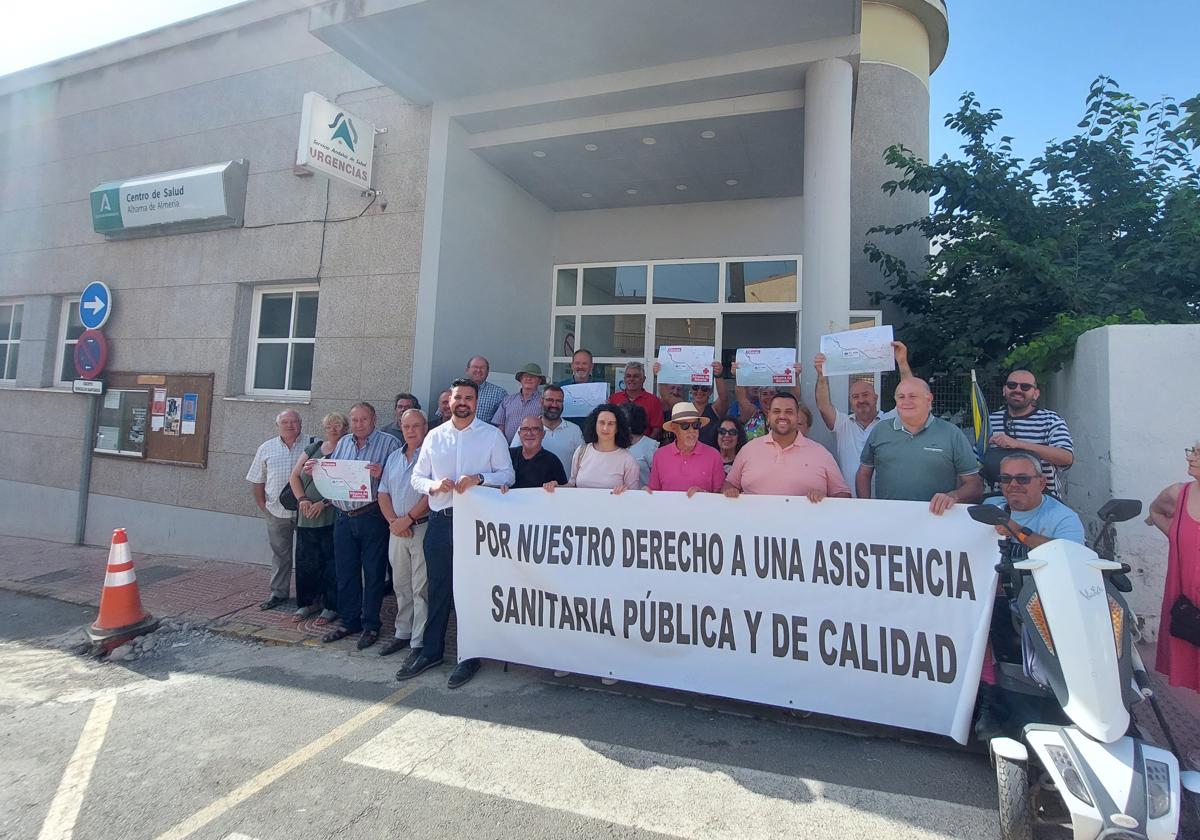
column 1036, row 519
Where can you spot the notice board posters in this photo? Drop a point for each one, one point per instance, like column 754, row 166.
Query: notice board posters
column 169, row 417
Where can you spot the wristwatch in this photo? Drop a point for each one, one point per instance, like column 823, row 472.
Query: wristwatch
column 480, row 479
column 1023, row 534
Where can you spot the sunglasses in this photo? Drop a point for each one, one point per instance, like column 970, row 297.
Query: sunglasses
column 1023, row 386
column 1192, row 453
column 727, row 432
column 683, row 427
column 1023, row 480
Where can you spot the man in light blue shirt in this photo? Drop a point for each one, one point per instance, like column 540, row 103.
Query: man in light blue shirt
column 1038, row 518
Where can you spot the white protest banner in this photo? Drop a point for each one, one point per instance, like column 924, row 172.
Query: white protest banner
column 872, row 610
column 859, row 351
column 685, row 365
column 579, row 399
column 343, row 481
column 758, row 366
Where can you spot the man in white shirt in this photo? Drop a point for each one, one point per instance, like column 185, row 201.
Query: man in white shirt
column 456, row 456
column 850, row 431
column 562, row 436
column 268, row 474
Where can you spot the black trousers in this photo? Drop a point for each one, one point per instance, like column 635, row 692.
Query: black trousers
column 316, row 577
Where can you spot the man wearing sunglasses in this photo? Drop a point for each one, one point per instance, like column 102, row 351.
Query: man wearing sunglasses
column 1036, row 517
column 1022, row 426
column 710, row 402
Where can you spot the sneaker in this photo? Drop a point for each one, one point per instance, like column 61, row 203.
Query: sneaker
column 463, row 673
column 561, row 674
column 608, row 681
column 417, row 663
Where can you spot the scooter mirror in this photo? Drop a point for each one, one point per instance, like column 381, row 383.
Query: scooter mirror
column 1190, row 780
column 988, row 514
column 1120, row 510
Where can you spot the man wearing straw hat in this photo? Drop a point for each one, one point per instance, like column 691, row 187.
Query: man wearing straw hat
column 525, row 403
column 686, row 465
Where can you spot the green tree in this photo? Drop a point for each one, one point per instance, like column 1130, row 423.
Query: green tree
column 1103, row 227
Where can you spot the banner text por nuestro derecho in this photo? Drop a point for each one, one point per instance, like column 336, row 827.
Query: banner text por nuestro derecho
column 911, row 570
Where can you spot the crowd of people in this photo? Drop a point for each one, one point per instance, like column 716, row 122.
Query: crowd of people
column 724, row 439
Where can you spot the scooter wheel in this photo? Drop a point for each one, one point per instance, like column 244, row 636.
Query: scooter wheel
column 1012, row 787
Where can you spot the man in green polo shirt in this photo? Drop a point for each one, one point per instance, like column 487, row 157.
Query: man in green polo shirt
column 919, row 457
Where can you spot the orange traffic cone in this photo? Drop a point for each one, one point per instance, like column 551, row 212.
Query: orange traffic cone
column 121, row 614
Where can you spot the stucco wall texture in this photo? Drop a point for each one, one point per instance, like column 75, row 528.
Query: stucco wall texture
column 182, row 302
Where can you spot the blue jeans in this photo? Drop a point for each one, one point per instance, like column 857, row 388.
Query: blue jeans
column 439, row 566
column 360, row 558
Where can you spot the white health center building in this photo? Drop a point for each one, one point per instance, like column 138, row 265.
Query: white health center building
column 550, row 175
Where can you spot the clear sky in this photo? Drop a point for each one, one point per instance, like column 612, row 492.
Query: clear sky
column 1032, row 59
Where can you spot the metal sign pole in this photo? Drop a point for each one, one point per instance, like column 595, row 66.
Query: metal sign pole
column 85, row 465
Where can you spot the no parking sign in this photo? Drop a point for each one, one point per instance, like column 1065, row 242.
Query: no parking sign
column 91, row 354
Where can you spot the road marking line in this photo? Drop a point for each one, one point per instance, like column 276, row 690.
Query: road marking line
column 64, row 809
column 653, row 791
column 240, row 794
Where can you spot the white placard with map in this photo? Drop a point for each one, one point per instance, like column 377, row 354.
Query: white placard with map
column 579, row 399
column 773, row 366
column 859, row 351
column 343, row 481
column 685, row 364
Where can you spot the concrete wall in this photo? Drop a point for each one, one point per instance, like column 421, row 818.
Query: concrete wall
column 182, row 301
column 1130, row 423
column 493, row 277
column 755, row 228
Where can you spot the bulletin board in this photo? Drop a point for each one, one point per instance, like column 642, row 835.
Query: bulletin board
column 159, row 417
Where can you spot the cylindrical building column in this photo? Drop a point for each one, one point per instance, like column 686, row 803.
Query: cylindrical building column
column 825, row 258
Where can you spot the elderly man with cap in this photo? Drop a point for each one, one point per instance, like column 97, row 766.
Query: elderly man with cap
column 919, row 457
column 687, row 465
column 784, row 462
column 527, row 402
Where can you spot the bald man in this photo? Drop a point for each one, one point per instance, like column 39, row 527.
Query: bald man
column 268, row 474
column 850, row 431
column 919, row 457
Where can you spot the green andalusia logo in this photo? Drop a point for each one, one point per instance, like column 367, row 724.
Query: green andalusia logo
column 343, row 129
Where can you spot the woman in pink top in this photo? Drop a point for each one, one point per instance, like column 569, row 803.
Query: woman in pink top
column 1176, row 512
column 604, row 462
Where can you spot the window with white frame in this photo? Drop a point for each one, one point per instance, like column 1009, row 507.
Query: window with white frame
column 69, row 330
column 624, row 311
column 283, row 332
column 10, row 339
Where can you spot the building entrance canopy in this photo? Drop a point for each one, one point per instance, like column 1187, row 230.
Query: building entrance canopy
column 622, row 103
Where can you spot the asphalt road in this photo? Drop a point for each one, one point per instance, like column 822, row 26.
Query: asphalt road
column 213, row 738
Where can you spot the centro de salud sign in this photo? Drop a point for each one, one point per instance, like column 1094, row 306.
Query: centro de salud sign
column 182, row 201
column 334, row 142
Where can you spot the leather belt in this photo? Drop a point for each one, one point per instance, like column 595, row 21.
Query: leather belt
column 421, row 521
column 374, row 506
column 448, row 512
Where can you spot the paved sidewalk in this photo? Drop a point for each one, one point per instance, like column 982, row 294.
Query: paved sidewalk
column 224, row 597
column 220, row 595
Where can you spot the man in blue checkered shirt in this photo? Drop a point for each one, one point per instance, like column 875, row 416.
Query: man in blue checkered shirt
column 490, row 394
column 360, row 533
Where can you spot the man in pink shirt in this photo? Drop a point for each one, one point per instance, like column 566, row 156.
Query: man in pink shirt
column 687, row 465
column 784, row 463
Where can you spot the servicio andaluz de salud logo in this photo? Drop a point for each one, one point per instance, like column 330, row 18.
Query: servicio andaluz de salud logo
column 343, row 129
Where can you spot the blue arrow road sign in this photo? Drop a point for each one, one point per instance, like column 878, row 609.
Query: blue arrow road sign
column 95, row 305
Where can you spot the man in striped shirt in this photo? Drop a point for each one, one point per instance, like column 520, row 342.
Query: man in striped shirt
column 360, row 533
column 490, row 394
column 1022, row 425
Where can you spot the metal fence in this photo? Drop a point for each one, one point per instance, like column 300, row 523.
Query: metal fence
column 951, row 396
